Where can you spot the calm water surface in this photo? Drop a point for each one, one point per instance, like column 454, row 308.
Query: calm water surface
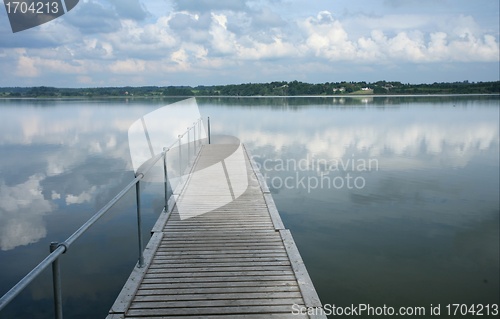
column 391, row 200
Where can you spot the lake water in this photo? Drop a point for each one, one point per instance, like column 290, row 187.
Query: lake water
column 391, row 200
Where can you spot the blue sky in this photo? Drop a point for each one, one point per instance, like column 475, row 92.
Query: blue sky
column 208, row 42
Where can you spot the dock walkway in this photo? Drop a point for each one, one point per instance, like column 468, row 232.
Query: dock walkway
column 234, row 261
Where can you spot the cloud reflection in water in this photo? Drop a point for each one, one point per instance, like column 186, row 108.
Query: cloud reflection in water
column 48, row 154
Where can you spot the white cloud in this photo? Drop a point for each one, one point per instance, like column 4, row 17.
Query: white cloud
column 474, row 49
column 181, row 58
column 207, row 5
column 128, row 66
column 22, row 208
column 327, row 38
column 68, row 134
column 26, row 67
column 94, row 48
column 455, row 146
column 222, row 41
column 391, row 23
column 150, row 40
column 275, row 49
column 130, row 9
column 438, row 45
column 431, row 142
column 55, row 195
column 228, row 36
column 84, row 197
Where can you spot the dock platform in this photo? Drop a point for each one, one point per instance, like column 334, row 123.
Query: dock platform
column 231, row 261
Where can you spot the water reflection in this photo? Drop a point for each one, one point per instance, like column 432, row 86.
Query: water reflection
column 51, row 158
column 18, row 228
column 340, row 102
column 423, row 135
column 424, row 229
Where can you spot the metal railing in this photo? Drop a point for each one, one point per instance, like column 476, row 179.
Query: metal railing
column 59, row 248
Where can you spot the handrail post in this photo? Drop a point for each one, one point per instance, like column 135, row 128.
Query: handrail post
column 56, row 283
column 139, row 224
column 165, row 175
column 208, row 124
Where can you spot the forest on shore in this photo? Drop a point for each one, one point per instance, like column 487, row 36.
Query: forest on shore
column 283, row 88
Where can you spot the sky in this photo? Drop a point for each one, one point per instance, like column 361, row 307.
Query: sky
column 214, row 42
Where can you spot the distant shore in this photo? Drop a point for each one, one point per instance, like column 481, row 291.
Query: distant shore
column 272, row 89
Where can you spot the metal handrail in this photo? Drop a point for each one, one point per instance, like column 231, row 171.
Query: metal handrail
column 57, row 249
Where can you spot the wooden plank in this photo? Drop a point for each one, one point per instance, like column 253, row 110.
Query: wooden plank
column 216, row 240
column 188, row 251
column 209, row 246
column 195, row 255
column 248, row 242
column 287, row 283
column 221, row 279
column 230, row 238
column 231, row 316
column 233, row 310
column 230, row 299
column 166, row 263
column 211, row 265
column 192, row 269
column 150, row 291
column 238, row 301
column 218, row 273
column 232, row 232
column 196, row 265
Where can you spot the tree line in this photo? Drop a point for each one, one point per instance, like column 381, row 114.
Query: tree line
column 283, row 88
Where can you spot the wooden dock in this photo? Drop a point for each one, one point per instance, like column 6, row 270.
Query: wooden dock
column 235, row 261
